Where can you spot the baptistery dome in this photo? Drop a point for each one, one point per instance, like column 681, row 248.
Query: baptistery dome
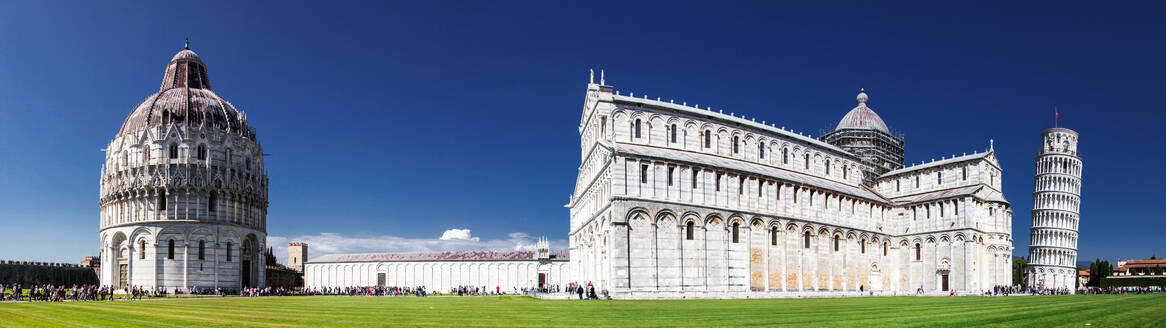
column 184, row 190
column 185, row 98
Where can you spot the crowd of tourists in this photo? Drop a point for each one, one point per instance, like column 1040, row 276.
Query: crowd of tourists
column 1122, row 290
column 366, row 291
column 51, row 293
column 1002, row 290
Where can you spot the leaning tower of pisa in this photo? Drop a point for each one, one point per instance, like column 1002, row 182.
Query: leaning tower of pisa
column 1056, row 202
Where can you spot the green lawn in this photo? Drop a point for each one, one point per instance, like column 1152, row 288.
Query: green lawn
column 1020, row 311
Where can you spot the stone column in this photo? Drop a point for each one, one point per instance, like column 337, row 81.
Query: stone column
column 185, row 263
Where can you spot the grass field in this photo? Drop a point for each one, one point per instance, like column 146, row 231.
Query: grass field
column 327, row 311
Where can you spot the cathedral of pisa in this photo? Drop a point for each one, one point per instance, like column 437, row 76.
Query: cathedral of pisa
column 675, row 201
column 184, row 190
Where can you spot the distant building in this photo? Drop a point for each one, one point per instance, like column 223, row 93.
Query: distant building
column 1082, row 277
column 297, row 253
column 91, row 262
column 1137, row 268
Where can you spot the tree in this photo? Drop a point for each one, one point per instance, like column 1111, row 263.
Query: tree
column 1018, row 268
column 1098, row 270
column 270, row 255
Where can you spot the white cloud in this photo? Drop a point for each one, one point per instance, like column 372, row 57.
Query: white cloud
column 451, row 240
column 458, row 234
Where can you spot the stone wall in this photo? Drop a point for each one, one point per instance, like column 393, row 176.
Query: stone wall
column 30, row 273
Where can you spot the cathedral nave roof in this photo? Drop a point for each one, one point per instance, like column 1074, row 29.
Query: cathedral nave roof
column 956, row 159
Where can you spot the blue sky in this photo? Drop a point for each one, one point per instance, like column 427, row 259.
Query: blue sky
column 391, row 123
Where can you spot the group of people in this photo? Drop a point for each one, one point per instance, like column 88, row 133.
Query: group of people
column 584, row 292
column 51, row 293
column 1122, row 290
column 366, row 291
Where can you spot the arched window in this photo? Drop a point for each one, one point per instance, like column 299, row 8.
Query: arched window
column 736, row 235
column 785, row 155
column 736, row 142
column 844, row 172
column 644, row 173
column 965, row 173
column 210, row 203
column 918, row 252
column 708, row 139
column 162, row 200
column 863, row 247
column 173, row 151
column 689, row 229
column 827, row 167
column 170, row 249
column 670, row 170
column 807, row 161
column 761, row 150
column 674, row 133
column 228, row 163
column 884, row 249
column 807, row 240
column 916, row 181
column 228, row 251
column 247, row 161
column 201, row 250
column 637, row 128
column 717, row 183
column 202, row 152
column 836, row 242
column 695, row 177
column 146, row 154
column 897, row 185
column 741, row 186
column 142, row 250
column 938, row 177
column 773, row 236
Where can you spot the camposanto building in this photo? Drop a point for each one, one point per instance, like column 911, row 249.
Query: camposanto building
column 676, row 201
column 184, row 190
column 494, row 271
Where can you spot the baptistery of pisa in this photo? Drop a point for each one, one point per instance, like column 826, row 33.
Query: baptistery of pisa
column 184, row 190
column 675, row 201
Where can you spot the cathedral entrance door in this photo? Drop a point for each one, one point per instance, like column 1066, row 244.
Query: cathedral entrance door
column 122, row 271
column 945, row 282
column 245, row 275
column 542, row 280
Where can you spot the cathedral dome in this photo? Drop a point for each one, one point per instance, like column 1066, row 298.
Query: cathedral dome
column 862, row 117
column 185, row 97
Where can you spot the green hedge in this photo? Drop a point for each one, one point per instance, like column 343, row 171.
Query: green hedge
column 1134, row 282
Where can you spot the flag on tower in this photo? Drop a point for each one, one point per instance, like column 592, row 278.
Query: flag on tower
column 1056, row 113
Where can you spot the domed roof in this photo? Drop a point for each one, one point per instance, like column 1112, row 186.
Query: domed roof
column 185, row 98
column 186, row 54
column 862, row 117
